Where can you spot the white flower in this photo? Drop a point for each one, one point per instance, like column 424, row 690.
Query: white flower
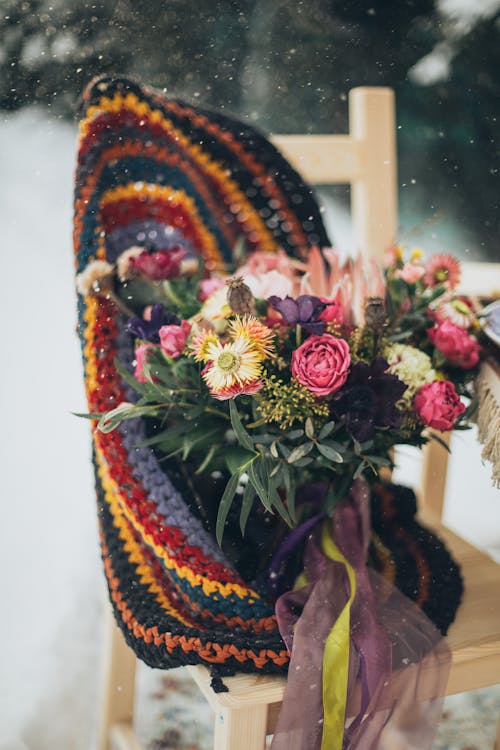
column 264, row 285
column 411, row 366
column 95, row 271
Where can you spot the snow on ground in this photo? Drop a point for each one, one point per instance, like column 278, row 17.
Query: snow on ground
column 52, row 587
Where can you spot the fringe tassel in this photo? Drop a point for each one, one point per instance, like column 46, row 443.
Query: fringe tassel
column 488, row 417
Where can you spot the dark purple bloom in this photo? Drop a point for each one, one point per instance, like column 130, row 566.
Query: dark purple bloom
column 303, row 311
column 148, row 329
column 368, row 399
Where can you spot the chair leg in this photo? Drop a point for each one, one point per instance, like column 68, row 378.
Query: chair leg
column 117, row 706
column 241, row 728
column 496, row 746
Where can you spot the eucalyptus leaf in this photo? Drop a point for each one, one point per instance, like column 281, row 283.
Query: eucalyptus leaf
column 359, row 471
column 303, row 462
column 300, row 451
column 330, row 453
column 225, row 506
column 326, row 430
column 309, row 428
column 294, row 434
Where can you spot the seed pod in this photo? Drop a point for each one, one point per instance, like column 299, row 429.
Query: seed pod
column 240, row 298
column 375, row 313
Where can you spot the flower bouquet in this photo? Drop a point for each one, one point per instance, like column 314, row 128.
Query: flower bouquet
column 246, row 390
column 272, row 392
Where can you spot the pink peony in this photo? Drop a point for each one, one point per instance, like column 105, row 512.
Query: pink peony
column 173, row 338
column 158, row 265
column 321, row 364
column 140, row 359
column 411, row 273
column 209, row 287
column 454, row 342
column 438, row 405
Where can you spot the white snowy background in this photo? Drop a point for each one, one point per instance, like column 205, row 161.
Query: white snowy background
column 52, row 592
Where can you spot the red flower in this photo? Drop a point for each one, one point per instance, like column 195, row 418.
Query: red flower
column 158, row 265
column 455, row 343
column 321, row 364
column 437, row 405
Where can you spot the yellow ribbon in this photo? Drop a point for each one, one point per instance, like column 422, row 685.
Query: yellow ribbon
column 336, row 657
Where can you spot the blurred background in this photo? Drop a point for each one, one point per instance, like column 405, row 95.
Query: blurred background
column 286, row 66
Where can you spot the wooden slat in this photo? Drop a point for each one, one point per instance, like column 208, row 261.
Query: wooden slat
column 322, row 159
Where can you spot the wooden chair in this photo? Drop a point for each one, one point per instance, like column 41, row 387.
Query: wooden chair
column 366, row 158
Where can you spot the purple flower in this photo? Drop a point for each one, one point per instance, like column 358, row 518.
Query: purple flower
column 303, row 311
column 368, row 399
column 148, row 329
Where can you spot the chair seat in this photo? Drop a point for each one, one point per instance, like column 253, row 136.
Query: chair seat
column 474, row 639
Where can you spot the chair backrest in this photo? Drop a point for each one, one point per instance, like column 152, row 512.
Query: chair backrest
column 366, row 159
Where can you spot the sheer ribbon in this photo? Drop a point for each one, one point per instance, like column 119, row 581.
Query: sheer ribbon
column 368, row 669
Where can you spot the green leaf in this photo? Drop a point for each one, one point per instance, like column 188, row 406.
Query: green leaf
column 246, row 506
column 377, row 460
column 237, row 458
column 258, row 484
column 170, row 432
column 273, row 450
column 300, row 451
column 303, row 462
column 206, row 461
column 330, row 453
column 225, row 506
column 290, row 491
column 240, row 432
column 294, row 434
column 309, row 428
column 326, row 430
column 359, row 470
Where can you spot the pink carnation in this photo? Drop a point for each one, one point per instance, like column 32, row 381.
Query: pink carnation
column 173, row 338
column 321, row 364
column 459, row 348
column 438, row 405
column 159, row 265
column 140, row 358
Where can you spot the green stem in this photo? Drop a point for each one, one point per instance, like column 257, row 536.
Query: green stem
column 298, row 335
column 171, row 294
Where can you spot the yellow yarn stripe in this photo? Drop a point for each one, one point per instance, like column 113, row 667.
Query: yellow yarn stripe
column 174, row 197
column 235, row 195
column 209, row 586
column 135, row 554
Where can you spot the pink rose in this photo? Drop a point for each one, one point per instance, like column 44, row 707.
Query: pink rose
column 158, row 265
column 437, row 405
column 455, row 343
column 173, row 338
column 321, row 363
column 140, row 359
column 411, row 273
